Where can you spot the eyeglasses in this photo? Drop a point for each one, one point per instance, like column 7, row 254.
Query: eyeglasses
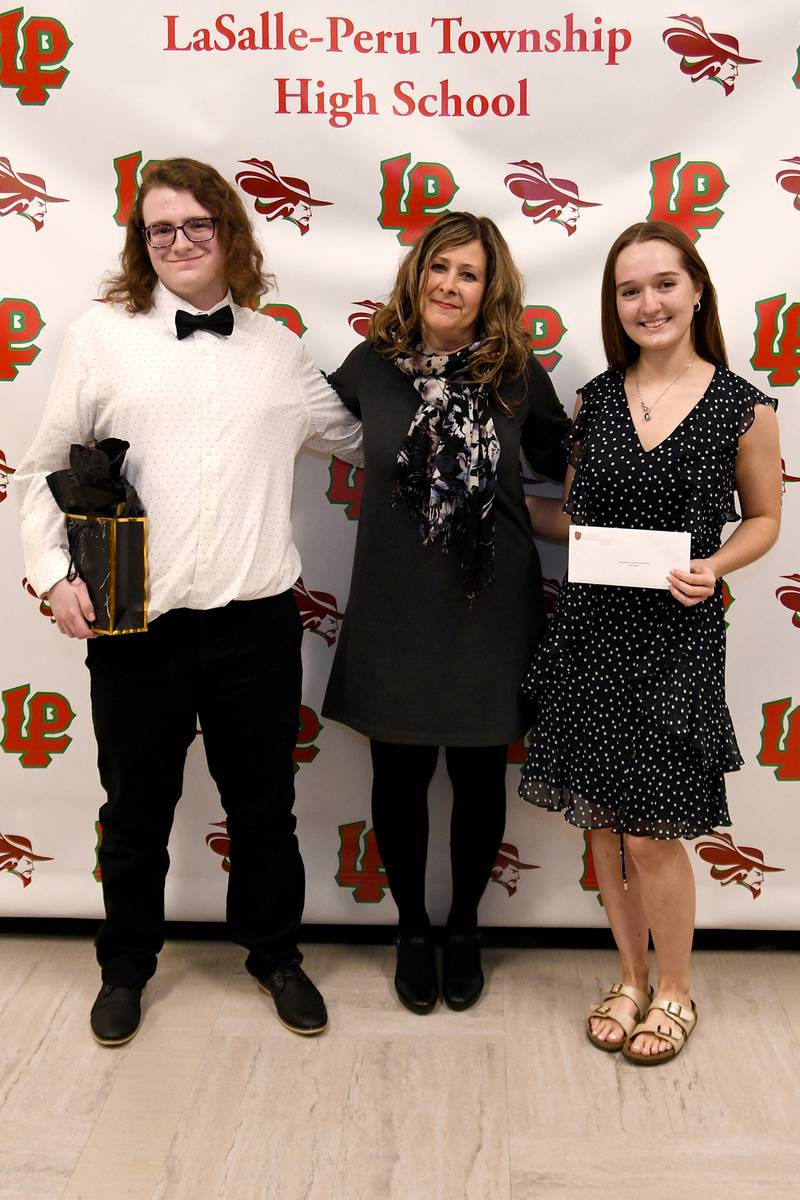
column 198, row 229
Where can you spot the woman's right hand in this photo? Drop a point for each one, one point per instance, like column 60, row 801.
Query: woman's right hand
column 72, row 608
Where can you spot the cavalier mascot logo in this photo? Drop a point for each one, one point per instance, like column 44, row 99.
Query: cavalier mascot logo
column 734, row 864
column 507, row 867
column 546, row 199
column 5, row 474
column 705, row 55
column 17, row 856
column 789, row 596
column 278, row 197
column 360, row 319
column 220, row 843
column 789, row 179
column 319, row 612
column 24, row 194
column 786, row 477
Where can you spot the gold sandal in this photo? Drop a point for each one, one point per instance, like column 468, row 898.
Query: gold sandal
column 682, row 1019
column 625, row 1022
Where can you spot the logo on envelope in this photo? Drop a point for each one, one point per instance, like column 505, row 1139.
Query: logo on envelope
column 626, row 557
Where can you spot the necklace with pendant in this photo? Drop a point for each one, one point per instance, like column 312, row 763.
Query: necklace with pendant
column 648, row 408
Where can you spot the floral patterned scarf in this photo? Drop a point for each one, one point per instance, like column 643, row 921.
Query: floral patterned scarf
column 447, row 465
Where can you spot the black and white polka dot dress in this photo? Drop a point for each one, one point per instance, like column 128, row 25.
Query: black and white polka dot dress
column 632, row 731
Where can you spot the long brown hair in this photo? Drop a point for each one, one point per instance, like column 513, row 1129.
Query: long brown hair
column 133, row 284
column 709, row 343
column 505, row 348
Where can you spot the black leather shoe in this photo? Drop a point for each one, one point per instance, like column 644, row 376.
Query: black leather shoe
column 462, row 976
column 415, row 977
column 299, row 1005
column 116, row 1014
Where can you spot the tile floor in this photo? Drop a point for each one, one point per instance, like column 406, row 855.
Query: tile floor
column 214, row 1099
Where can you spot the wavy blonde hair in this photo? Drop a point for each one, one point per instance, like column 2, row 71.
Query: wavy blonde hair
column 505, row 348
column 133, row 284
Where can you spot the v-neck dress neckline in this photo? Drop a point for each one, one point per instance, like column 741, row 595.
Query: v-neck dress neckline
column 675, row 429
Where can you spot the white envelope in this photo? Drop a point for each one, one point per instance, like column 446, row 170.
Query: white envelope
column 626, row 557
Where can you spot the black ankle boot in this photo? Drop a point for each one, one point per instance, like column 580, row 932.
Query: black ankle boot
column 415, row 977
column 462, row 978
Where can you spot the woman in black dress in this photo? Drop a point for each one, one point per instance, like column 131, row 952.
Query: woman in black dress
column 446, row 597
column 633, row 733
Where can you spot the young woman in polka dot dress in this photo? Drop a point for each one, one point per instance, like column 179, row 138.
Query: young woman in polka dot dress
column 633, row 734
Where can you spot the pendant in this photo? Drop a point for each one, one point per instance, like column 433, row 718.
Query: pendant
column 646, row 413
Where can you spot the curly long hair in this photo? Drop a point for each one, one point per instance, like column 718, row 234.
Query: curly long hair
column 709, row 343
column 133, row 284
column 505, row 348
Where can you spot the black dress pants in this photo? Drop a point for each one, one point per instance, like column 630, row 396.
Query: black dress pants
column 401, row 775
column 238, row 669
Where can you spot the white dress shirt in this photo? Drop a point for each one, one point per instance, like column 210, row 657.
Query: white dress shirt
column 214, row 425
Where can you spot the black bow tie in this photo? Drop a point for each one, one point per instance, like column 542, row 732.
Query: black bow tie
column 220, row 322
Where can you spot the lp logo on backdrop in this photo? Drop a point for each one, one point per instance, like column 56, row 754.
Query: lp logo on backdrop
column 346, row 487
column 30, row 54
column 35, row 730
column 545, row 328
column 130, row 172
column 360, row 864
column 286, row 314
column 687, row 197
column 20, row 323
column 777, row 338
column 413, row 197
column 780, row 739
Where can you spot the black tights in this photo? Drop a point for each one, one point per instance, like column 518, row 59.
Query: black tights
column 401, row 775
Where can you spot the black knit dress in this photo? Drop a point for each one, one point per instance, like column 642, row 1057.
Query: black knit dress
column 414, row 663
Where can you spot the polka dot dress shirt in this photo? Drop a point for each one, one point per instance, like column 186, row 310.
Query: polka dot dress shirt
column 214, row 425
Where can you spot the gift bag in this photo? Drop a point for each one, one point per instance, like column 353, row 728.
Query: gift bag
column 110, row 556
column 107, row 534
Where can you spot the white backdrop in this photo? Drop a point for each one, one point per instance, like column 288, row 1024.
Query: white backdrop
column 607, row 113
